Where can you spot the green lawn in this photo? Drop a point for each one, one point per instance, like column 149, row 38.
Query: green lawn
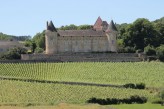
column 150, row 73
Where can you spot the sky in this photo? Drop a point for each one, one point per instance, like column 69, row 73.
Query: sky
column 28, row 17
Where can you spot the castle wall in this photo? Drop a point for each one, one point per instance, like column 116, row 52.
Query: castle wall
column 83, row 57
column 82, row 44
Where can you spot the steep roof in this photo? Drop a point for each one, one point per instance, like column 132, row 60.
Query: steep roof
column 81, row 33
column 111, row 26
column 104, row 23
column 50, row 26
column 98, row 24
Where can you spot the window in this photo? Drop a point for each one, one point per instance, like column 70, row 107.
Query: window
column 1, row 50
column 112, row 41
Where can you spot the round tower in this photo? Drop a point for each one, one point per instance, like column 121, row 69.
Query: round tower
column 51, row 39
column 112, row 36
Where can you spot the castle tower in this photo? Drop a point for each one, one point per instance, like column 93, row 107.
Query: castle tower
column 111, row 33
column 51, row 38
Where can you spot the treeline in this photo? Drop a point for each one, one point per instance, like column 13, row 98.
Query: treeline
column 11, row 37
column 142, row 36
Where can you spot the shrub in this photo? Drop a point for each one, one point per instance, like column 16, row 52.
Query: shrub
column 140, row 86
column 135, row 86
column 162, row 97
column 149, row 50
column 129, row 49
column 130, row 85
column 39, row 50
column 14, row 53
column 132, row 99
column 160, row 52
column 139, row 51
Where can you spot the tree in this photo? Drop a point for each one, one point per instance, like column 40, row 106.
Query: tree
column 31, row 44
column 14, row 53
column 140, row 34
column 84, row 27
column 160, row 52
column 68, row 27
column 161, row 95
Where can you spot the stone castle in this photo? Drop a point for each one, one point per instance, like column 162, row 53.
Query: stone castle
column 101, row 38
column 90, row 45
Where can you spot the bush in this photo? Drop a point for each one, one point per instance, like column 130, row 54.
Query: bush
column 161, row 95
column 14, row 53
column 160, row 52
column 140, row 86
column 129, row 49
column 39, row 50
column 132, row 99
column 135, row 86
column 139, row 51
column 130, row 85
column 149, row 50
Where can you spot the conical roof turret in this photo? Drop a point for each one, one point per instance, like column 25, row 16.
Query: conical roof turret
column 111, row 26
column 51, row 27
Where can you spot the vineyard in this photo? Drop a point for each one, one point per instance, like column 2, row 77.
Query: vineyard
column 100, row 72
column 22, row 92
column 16, row 92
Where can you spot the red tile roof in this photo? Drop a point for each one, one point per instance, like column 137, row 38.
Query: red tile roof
column 98, row 24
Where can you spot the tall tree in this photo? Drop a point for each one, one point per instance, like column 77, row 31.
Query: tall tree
column 140, row 34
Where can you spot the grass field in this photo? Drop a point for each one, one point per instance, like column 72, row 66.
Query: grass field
column 150, row 73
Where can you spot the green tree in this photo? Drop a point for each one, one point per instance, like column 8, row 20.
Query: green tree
column 160, row 52
column 14, row 53
column 84, row 27
column 140, row 34
column 161, row 95
column 68, row 27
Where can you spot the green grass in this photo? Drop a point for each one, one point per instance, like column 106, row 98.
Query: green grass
column 18, row 92
column 138, row 106
column 150, row 73
column 90, row 106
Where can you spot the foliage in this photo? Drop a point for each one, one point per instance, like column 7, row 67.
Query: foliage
column 84, row 27
column 149, row 50
column 162, row 95
column 31, row 44
column 135, row 86
column 131, row 100
column 14, row 53
column 68, row 27
column 74, row 27
column 129, row 49
column 39, row 50
column 39, row 40
column 160, row 52
column 140, row 34
column 90, row 72
column 11, row 37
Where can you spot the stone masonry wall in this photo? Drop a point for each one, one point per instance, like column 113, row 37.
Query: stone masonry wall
column 84, row 57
